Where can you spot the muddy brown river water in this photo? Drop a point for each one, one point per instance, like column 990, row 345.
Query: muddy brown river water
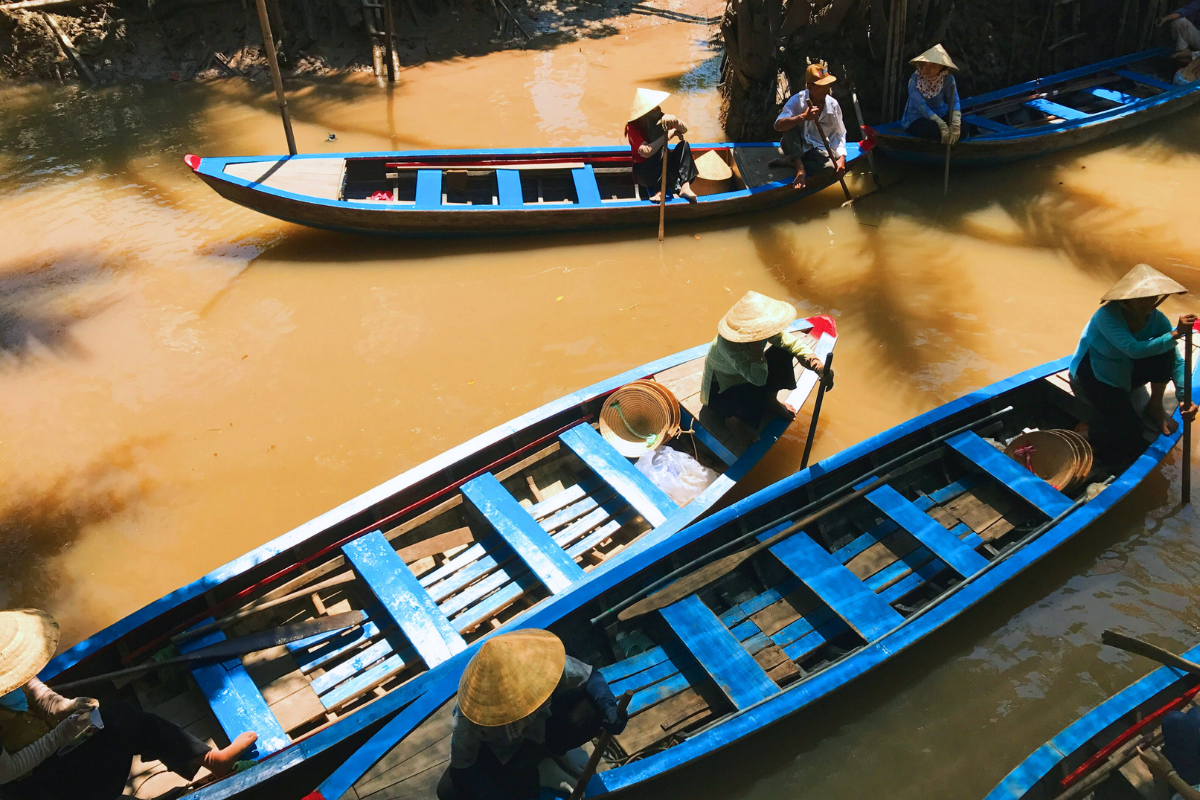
column 183, row 379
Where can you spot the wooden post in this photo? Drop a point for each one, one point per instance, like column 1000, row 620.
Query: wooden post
column 276, row 77
column 389, row 34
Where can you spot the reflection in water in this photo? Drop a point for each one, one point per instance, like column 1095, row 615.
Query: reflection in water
column 184, row 379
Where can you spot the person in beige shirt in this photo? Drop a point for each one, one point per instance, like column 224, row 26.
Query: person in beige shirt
column 751, row 360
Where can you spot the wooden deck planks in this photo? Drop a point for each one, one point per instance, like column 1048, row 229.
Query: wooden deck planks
column 924, row 529
column 314, row 177
column 651, row 502
column 398, row 590
column 1047, row 499
column 732, row 669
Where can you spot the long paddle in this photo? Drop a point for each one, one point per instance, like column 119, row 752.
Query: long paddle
column 812, row 425
column 946, row 177
column 1186, row 489
column 234, row 648
column 662, row 196
column 1136, row 646
column 832, row 155
column 594, row 760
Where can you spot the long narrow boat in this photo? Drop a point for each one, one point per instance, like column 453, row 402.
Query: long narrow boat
column 925, row 521
column 1096, row 757
column 490, row 192
column 1053, row 113
column 435, row 558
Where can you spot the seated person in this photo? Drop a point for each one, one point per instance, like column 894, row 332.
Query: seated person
column 1128, row 343
column 933, row 111
column 802, row 144
column 751, row 360
column 522, row 700
column 36, row 723
column 1179, row 762
column 1185, row 27
column 648, row 131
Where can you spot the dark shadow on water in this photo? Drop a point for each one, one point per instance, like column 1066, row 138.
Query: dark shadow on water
column 35, row 311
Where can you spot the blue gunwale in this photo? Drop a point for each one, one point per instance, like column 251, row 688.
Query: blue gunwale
column 809, row 689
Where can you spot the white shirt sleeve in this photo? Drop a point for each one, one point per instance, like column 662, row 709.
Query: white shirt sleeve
column 793, row 106
column 27, row 760
column 838, row 140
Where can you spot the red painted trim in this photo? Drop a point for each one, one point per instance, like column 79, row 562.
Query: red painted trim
column 314, row 796
column 193, row 161
column 821, row 325
column 216, row 608
column 1125, row 736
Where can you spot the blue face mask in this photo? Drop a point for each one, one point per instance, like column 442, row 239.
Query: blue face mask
column 15, row 701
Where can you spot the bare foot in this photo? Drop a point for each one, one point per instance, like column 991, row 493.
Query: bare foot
column 657, row 198
column 221, row 762
column 689, row 195
column 1164, row 423
column 800, row 180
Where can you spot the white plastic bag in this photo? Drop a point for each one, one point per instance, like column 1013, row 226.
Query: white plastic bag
column 676, row 473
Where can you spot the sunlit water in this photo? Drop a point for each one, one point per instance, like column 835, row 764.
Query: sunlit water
column 183, row 379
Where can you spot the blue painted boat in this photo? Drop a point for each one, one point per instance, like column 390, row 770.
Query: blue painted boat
column 1053, row 113
column 491, row 192
column 931, row 518
column 435, row 558
column 1096, row 757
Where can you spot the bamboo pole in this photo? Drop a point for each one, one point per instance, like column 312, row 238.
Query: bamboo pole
column 68, row 48
column 273, row 59
column 389, row 33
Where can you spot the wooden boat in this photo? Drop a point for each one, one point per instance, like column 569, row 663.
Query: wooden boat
column 482, row 192
column 1053, row 113
column 930, row 518
column 1096, row 757
column 435, row 557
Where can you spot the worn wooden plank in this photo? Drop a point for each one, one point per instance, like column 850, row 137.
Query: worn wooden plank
column 1145, row 80
column 651, row 502
column 398, row 590
column 923, row 528
column 435, row 545
column 428, row 744
column 730, row 667
column 1055, row 109
column 312, row 177
column 1047, row 499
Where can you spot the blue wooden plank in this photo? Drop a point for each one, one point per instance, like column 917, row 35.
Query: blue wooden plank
column 835, row 585
column 1055, row 109
column 610, row 508
column 648, row 677
column 1145, row 80
column 309, row 659
column 508, row 188
column 398, row 590
column 814, row 639
column 597, row 536
column 235, row 701
column 533, row 545
column 650, row 501
column 1112, row 94
column 706, row 438
column 360, row 681
column 577, row 509
column 927, row 531
column 633, row 665
column 494, row 602
column 586, row 188
column 735, row 672
column 429, row 188
column 389, row 646
column 1046, row 498
column 658, row 692
column 988, row 125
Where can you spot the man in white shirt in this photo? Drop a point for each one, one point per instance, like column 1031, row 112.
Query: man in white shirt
column 802, row 143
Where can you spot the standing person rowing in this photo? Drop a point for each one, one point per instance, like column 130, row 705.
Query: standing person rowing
column 649, row 130
column 802, row 144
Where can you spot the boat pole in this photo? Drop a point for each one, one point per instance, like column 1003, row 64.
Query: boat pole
column 1186, row 490
column 389, row 32
column 662, row 197
column 946, row 176
column 273, row 59
column 594, row 759
column 812, row 425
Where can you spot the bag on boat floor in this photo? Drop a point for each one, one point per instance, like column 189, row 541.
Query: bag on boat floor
column 676, row 473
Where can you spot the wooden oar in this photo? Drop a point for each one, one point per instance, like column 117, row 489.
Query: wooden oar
column 662, row 197
column 235, row 648
column 1147, row 650
column 1186, row 489
column 594, row 760
column 832, row 155
column 812, row 425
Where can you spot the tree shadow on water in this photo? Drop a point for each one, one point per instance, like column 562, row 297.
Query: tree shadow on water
column 38, row 311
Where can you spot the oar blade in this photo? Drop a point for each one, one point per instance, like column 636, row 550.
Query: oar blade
column 687, row 585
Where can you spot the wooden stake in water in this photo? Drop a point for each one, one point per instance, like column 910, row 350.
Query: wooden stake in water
column 277, row 78
column 1186, row 490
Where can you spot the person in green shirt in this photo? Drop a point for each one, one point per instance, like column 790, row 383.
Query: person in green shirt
column 751, row 360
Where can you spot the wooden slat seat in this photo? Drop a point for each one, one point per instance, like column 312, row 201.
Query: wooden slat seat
column 731, row 668
column 399, row 592
column 835, row 585
column 988, row 124
column 235, row 700
column 927, row 531
column 521, row 531
column 1145, row 80
column 1055, row 109
column 1112, row 95
column 650, row 501
column 1025, row 484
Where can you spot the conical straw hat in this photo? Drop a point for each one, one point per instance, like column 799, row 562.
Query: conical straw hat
column 935, row 55
column 28, row 639
column 639, row 417
column 1052, row 458
column 644, row 101
column 511, row 676
column 1143, row 281
column 711, row 167
column 756, row 317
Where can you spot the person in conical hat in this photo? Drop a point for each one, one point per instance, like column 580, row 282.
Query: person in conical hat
column 36, row 723
column 802, row 144
column 523, row 704
column 933, row 110
column 648, row 130
column 752, row 358
column 1126, row 344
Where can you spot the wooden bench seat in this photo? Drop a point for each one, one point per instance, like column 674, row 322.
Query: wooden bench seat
column 1026, row 485
column 650, row 501
column 964, row 560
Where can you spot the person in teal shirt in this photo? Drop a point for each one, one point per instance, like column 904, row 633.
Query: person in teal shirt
column 1128, row 343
